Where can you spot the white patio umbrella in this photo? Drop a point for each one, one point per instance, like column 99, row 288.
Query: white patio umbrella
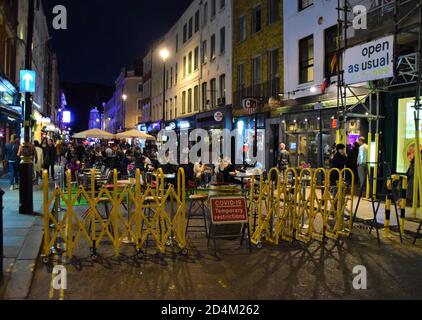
column 94, row 133
column 135, row 134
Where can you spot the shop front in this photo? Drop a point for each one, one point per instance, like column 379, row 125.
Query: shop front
column 214, row 122
column 406, row 134
column 252, row 130
column 310, row 135
column 10, row 116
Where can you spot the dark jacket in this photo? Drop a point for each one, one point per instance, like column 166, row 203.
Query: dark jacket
column 339, row 162
column 49, row 155
column 284, row 160
column 11, row 151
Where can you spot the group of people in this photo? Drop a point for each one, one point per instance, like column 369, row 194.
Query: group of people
column 43, row 157
column 76, row 155
column 353, row 157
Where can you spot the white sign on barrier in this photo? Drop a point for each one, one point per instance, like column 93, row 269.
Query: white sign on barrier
column 370, row 61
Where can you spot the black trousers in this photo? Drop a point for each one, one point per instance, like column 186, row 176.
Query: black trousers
column 50, row 169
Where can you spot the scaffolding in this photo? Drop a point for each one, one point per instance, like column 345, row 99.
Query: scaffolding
column 406, row 16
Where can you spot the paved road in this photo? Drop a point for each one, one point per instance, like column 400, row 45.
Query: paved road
column 288, row 271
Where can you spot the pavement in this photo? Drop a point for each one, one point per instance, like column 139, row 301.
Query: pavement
column 22, row 241
column 288, row 271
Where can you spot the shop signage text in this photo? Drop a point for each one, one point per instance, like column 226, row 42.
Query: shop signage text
column 370, row 61
column 229, row 210
column 250, row 105
column 218, row 116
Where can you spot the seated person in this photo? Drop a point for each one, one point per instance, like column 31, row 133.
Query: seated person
column 74, row 166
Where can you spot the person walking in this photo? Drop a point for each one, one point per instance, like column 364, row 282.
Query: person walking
column 284, row 158
column 49, row 153
column 362, row 163
column 39, row 162
column 12, row 157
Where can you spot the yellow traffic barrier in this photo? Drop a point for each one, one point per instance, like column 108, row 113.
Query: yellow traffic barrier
column 147, row 214
column 301, row 206
column 306, row 211
column 269, row 196
column 403, row 202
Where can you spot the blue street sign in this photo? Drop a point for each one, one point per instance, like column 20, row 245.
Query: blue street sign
column 27, row 81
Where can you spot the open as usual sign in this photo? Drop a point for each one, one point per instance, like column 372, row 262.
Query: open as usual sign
column 371, row 61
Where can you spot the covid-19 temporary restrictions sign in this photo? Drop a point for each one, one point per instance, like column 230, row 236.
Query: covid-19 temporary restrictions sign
column 229, row 210
column 370, row 61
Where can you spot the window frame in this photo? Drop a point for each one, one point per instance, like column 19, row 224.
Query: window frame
column 309, row 65
column 254, row 20
column 300, row 6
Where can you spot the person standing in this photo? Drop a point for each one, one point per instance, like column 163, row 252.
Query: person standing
column 362, row 163
column 284, row 158
column 12, row 157
column 49, row 153
column 39, row 162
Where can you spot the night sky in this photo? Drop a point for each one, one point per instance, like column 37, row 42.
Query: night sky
column 104, row 36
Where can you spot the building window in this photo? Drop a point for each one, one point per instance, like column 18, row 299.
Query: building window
column 205, row 13
column 274, row 10
column 204, row 52
column 190, row 27
column 167, row 79
column 190, row 63
column 213, row 47
column 196, row 98
column 256, row 19
column 330, row 63
column 306, row 60
column 241, row 76
column 190, row 101
column 213, row 8
column 167, row 110
column 175, row 106
column 171, row 109
column 183, row 102
column 222, row 4
column 222, row 87
column 213, row 93
column 177, row 42
column 176, row 71
column 256, row 76
column 273, row 73
column 303, row 4
column 222, row 40
column 204, row 96
column 171, row 77
column 196, row 59
column 241, row 29
column 196, row 21
column 185, row 33
column 184, row 66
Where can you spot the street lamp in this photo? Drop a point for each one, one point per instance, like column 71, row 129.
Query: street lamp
column 124, row 98
column 164, row 54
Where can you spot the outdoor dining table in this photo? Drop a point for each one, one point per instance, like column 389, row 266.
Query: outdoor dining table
column 246, row 175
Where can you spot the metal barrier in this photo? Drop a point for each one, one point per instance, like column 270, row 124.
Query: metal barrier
column 147, row 210
column 301, row 206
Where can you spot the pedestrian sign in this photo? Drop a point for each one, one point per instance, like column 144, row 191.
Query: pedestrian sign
column 27, row 81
